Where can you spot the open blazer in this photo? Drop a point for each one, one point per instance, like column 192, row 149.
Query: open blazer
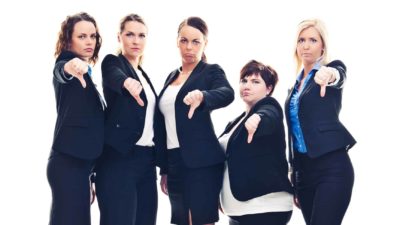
column 319, row 117
column 124, row 116
column 79, row 128
column 260, row 167
column 197, row 139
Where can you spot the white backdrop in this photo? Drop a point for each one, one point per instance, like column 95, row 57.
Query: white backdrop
column 363, row 35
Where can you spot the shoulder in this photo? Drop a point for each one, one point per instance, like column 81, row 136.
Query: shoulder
column 65, row 56
column 110, row 58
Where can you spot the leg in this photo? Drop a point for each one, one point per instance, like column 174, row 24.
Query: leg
column 147, row 199
column 270, row 218
column 69, row 181
column 116, row 190
column 330, row 203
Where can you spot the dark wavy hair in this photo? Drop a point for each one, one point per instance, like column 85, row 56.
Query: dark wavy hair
column 65, row 34
column 267, row 73
column 199, row 24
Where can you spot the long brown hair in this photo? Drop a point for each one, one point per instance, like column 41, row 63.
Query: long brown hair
column 65, row 34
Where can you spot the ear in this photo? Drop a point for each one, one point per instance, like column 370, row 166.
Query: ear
column 269, row 89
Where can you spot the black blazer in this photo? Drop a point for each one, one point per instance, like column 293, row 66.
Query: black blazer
column 124, row 116
column 196, row 136
column 319, row 116
column 79, row 128
column 259, row 167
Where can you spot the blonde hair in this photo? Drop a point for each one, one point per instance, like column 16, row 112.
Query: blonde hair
column 320, row 27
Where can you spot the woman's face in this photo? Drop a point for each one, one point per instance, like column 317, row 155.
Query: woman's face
column 83, row 41
column 191, row 44
column 309, row 46
column 252, row 89
column 133, row 39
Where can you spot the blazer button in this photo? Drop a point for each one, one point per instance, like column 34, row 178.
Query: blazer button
column 117, row 125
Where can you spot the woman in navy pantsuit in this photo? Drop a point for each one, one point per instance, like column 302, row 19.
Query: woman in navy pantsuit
column 323, row 174
column 79, row 131
column 190, row 156
column 126, row 172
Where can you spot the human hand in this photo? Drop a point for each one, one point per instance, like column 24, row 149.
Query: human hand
column 193, row 99
column 324, row 76
column 135, row 88
column 251, row 125
column 296, row 201
column 77, row 68
column 163, row 184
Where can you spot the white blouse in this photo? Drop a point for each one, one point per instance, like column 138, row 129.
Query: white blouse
column 148, row 131
column 167, row 108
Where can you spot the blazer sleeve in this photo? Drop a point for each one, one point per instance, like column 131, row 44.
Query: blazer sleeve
column 341, row 68
column 59, row 74
column 113, row 76
column 220, row 93
column 269, row 120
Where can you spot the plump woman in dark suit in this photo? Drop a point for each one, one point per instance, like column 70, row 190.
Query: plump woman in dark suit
column 323, row 173
column 79, row 131
column 190, row 157
column 126, row 173
column 256, row 189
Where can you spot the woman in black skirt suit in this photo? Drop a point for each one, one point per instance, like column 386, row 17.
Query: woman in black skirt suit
column 190, row 156
column 323, row 173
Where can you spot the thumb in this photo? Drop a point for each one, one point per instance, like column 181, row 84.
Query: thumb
column 323, row 90
column 139, row 100
column 250, row 137
column 82, row 80
column 191, row 111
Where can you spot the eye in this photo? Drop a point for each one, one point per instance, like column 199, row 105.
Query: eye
column 129, row 34
column 93, row 36
column 256, row 82
column 301, row 40
column 313, row 40
column 81, row 37
column 196, row 42
column 243, row 81
column 142, row 35
column 183, row 41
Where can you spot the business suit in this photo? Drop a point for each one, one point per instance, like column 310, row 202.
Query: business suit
column 258, row 168
column 326, row 161
column 199, row 150
column 125, row 173
column 78, row 140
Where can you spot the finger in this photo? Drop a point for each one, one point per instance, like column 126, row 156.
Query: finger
column 250, row 137
column 191, row 111
column 139, row 100
column 82, row 80
column 323, row 90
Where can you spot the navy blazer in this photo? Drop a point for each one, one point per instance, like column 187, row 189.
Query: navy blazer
column 319, row 116
column 79, row 128
column 260, row 167
column 196, row 136
column 125, row 118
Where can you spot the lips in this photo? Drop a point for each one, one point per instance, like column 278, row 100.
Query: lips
column 88, row 49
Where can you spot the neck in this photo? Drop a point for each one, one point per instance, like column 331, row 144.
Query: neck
column 187, row 68
column 307, row 69
column 134, row 61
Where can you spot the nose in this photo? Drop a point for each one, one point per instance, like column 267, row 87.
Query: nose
column 189, row 45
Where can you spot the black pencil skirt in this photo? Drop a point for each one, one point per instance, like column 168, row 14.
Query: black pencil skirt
column 193, row 189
